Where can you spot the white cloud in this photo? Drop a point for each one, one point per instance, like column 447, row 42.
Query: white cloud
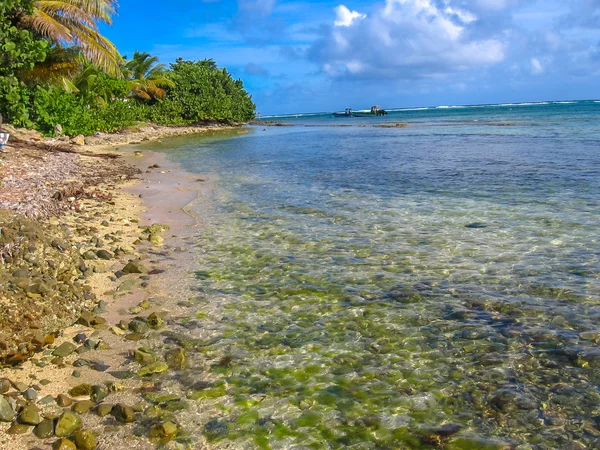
column 345, row 17
column 405, row 39
column 536, row 66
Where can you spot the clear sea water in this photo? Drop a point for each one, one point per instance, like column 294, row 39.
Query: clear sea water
column 429, row 286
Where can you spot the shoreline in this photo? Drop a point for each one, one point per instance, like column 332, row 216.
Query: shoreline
column 160, row 196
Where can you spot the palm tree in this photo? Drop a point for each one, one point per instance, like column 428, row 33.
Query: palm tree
column 147, row 78
column 59, row 67
column 75, row 23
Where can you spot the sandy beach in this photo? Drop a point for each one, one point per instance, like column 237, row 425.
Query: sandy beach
column 134, row 277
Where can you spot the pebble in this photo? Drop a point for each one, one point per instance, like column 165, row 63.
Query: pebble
column 155, row 367
column 30, row 415
column 63, row 401
column 30, row 394
column 64, row 350
column 68, row 423
column 104, row 409
column 99, row 393
column 17, row 428
column 4, row 385
column 6, row 411
column 85, row 440
column 45, row 429
column 83, row 407
column 123, row 413
column 64, row 444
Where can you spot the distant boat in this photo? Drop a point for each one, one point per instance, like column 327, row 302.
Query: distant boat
column 375, row 111
column 347, row 113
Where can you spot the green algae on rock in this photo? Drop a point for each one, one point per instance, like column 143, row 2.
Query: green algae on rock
column 85, row 440
column 68, row 423
column 153, row 368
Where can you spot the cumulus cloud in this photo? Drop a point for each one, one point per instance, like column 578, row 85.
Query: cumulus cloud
column 405, row 39
column 536, row 66
column 345, row 17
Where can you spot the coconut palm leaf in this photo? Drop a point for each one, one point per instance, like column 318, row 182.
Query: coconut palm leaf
column 60, row 64
column 147, row 77
column 75, row 23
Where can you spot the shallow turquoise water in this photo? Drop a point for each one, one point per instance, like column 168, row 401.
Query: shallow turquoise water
column 423, row 287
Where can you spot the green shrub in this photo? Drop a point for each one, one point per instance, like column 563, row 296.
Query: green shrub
column 19, row 50
column 76, row 116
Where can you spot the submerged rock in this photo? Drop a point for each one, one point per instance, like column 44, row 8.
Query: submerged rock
column 83, row 407
column 155, row 367
column 18, row 428
column 63, row 401
column 134, row 267
column 30, row 415
column 68, row 423
column 85, row 440
column 176, row 358
column 6, row 411
column 64, row 350
column 155, row 321
column 104, row 409
column 163, row 432
column 64, row 444
column 45, row 429
column 124, row 414
column 81, row 390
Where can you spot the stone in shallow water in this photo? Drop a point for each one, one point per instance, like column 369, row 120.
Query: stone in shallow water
column 81, row 390
column 18, row 428
column 160, row 397
column 30, row 415
column 64, row 444
column 163, row 432
column 144, row 356
column 6, row 412
column 99, row 366
column 99, row 393
column 85, row 440
column 64, row 350
column 122, row 374
column 68, row 423
column 103, row 254
column 138, row 326
column 215, row 429
column 124, row 414
column 30, row 394
column 45, row 429
column 104, row 409
column 474, row 442
column 63, row 401
column 155, row 367
column 134, row 267
column 155, row 321
column 83, row 407
column 176, row 358
column 477, row 225
column 127, row 285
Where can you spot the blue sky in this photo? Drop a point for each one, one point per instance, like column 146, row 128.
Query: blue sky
column 304, row 55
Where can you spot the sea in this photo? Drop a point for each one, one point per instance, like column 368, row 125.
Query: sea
column 427, row 279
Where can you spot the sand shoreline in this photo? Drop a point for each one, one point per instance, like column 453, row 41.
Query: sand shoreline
column 159, row 197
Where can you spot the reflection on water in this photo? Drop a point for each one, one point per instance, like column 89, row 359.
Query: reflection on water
column 383, row 289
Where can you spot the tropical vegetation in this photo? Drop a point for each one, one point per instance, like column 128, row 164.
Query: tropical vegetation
column 57, row 68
